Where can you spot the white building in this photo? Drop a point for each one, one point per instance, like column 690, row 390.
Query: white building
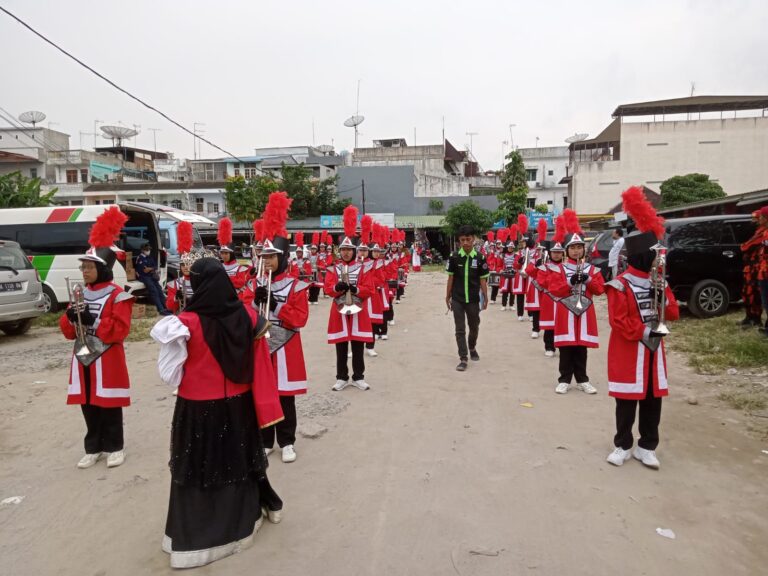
column 545, row 168
column 27, row 150
column 725, row 137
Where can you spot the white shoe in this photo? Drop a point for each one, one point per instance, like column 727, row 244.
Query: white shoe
column 175, row 391
column 274, row 516
column 88, row 460
column 115, row 458
column 549, row 353
column 530, row 318
column 503, row 308
column 340, row 385
column 647, row 457
column 391, row 322
column 371, row 352
column 268, row 451
column 520, row 318
column 619, row 456
column 384, row 337
column 534, row 335
column 562, row 387
column 362, row 384
column 376, row 337
column 586, row 387
column 289, row 454
column 349, row 354
column 492, row 302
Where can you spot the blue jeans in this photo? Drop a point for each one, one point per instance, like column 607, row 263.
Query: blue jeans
column 154, row 292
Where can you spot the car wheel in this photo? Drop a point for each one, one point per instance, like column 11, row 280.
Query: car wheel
column 16, row 328
column 709, row 298
column 49, row 299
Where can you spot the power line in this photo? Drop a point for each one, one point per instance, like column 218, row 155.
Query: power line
column 123, row 90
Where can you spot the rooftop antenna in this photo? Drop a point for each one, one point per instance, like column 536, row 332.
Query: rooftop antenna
column 118, row 133
column 357, row 119
column 32, row 117
column 471, row 136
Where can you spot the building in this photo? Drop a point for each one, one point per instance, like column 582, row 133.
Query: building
column 545, row 168
column 204, row 198
column 26, row 150
column 725, row 137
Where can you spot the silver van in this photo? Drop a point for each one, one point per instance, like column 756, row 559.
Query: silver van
column 21, row 292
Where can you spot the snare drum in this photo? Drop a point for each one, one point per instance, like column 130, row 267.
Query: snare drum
column 494, row 279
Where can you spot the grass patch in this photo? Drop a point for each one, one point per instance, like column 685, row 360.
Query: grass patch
column 140, row 328
column 433, row 267
column 744, row 400
column 716, row 344
column 49, row 320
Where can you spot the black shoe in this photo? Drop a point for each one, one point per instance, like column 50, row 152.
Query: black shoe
column 462, row 366
column 474, row 355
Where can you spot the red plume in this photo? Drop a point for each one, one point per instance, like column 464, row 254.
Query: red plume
column 514, row 232
column 258, row 230
column 560, row 230
column 350, row 221
column 225, row 232
column 642, row 212
column 299, row 238
column 366, row 226
column 107, row 228
column 541, row 230
column 276, row 215
column 522, row 224
column 572, row 222
column 184, row 238
column 315, row 238
column 489, row 236
column 502, row 235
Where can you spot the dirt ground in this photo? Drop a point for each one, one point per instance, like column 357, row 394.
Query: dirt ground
column 429, row 472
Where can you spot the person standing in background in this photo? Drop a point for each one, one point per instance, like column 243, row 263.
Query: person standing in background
column 614, row 256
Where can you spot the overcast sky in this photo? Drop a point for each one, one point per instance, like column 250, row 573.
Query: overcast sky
column 257, row 73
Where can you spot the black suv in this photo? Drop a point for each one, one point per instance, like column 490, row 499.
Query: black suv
column 704, row 266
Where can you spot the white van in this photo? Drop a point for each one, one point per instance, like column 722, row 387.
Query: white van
column 54, row 237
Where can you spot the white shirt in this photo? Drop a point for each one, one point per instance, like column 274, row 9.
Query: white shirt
column 613, row 255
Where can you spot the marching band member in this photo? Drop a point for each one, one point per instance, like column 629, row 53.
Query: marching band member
column 316, row 267
column 533, row 293
column 257, row 247
column 490, row 258
column 416, row 256
column 637, row 365
column 349, row 286
column 401, row 257
column 520, row 285
column 371, row 268
column 180, row 290
column 382, row 286
column 575, row 318
column 547, row 304
column 284, row 298
column 390, row 274
column 237, row 273
column 99, row 319
column 215, row 354
column 508, row 270
column 301, row 268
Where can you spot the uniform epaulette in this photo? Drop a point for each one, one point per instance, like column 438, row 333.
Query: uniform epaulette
column 122, row 296
column 616, row 284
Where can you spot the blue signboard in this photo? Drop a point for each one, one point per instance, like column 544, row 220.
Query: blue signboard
column 331, row 221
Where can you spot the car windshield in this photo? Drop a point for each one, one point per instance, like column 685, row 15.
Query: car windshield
column 13, row 257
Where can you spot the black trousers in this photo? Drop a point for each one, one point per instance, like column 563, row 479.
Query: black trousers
column 400, row 291
column 549, row 340
column 520, row 301
column 358, row 360
column 648, row 424
column 494, row 293
column 463, row 314
column 390, row 314
column 285, row 430
column 378, row 330
column 314, row 292
column 506, row 297
column 104, row 425
column 535, row 315
column 573, row 362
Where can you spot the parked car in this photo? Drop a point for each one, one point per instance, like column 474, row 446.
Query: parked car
column 704, row 266
column 598, row 249
column 21, row 292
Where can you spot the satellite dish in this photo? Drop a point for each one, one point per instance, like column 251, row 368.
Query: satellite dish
column 32, row 117
column 325, row 148
column 578, row 137
column 354, row 121
column 117, row 133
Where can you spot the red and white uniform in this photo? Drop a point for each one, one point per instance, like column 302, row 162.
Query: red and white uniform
column 507, row 263
column 301, row 268
column 110, row 387
column 402, row 264
column 416, row 259
column 630, row 314
column 292, row 313
column 317, row 263
column 520, row 285
column 238, row 274
column 547, row 305
column 532, row 294
column 174, row 287
column 356, row 327
column 572, row 330
column 377, row 303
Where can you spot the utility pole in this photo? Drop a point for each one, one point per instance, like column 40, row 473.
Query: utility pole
column 511, row 140
column 194, row 138
column 362, row 183
column 471, row 136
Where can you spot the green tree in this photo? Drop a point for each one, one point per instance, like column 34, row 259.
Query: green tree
column 512, row 201
column 436, row 206
column 325, row 199
column 246, row 199
column 541, row 208
column 467, row 213
column 689, row 188
column 17, row 191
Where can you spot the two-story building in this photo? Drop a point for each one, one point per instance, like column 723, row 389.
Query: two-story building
column 545, row 167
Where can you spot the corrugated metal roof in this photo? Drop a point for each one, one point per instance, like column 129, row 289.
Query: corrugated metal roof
column 692, row 104
column 426, row 221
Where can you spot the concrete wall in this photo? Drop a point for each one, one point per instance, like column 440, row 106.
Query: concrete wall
column 733, row 152
column 391, row 189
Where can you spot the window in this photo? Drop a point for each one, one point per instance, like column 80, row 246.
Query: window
column 33, row 172
column 112, row 201
column 565, row 202
column 530, row 174
column 51, row 238
column 738, row 232
column 549, row 202
column 76, row 203
column 199, row 202
column 550, row 173
column 176, row 204
column 71, row 176
column 237, row 171
column 696, row 234
column 84, row 175
column 213, row 207
column 530, row 203
column 208, row 168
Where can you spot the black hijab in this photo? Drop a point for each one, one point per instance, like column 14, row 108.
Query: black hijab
column 227, row 328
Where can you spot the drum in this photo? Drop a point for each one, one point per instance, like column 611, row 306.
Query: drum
column 494, row 280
